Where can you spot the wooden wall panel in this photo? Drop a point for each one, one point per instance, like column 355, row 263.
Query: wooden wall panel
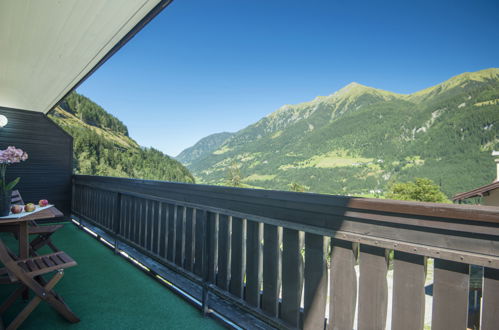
column 48, row 171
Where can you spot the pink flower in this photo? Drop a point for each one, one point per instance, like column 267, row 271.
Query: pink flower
column 12, row 155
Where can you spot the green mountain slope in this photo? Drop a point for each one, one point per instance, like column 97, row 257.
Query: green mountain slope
column 101, row 145
column 203, row 147
column 360, row 139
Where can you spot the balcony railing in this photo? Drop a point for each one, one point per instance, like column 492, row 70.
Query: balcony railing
column 292, row 259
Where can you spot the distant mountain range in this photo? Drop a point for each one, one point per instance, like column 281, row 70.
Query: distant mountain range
column 360, row 139
column 101, row 145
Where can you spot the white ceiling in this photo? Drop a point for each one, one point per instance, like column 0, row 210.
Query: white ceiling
column 48, row 46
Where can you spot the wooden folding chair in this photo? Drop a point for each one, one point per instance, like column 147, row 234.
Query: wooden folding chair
column 28, row 273
column 43, row 233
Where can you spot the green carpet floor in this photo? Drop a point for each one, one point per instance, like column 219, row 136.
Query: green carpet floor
column 107, row 292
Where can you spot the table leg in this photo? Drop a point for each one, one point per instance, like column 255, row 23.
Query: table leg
column 23, row 240
column 24, row 248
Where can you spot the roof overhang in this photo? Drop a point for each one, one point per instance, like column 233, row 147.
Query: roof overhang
column 478, row 192
column 47, row 48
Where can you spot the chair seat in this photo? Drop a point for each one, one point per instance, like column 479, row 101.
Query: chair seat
column 46, row 263
column 39, row 230
column 27, row 272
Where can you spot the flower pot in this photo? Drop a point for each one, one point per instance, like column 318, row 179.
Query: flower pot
column 5, row 201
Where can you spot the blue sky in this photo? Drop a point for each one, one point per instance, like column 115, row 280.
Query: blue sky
column 203, row 67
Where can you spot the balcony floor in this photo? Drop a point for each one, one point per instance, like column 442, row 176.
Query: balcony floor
column 107, row 292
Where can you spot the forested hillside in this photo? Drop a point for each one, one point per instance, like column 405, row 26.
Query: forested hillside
column 101, row 145
column 360, row 139
column 203, row 147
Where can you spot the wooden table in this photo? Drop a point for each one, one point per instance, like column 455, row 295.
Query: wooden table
column 23, row 223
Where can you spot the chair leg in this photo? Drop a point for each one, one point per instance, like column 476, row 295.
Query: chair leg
column 40, row 241
column 59, row 305
column 34, row 302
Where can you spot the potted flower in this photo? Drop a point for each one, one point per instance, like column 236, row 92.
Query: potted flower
column 9, row 156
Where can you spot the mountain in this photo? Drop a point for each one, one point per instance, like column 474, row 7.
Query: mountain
column 203, row 147
column 101, row 145
column 360, row 139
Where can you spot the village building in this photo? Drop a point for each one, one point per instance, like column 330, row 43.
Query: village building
column 485, row 195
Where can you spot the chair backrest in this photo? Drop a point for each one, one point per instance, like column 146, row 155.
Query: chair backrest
column 16, row 198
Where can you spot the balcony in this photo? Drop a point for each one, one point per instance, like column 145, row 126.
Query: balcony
column 107, row 292
column 248, row 258
column 294, row 260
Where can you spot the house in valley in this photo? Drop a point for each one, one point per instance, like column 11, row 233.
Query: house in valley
column 485, row 195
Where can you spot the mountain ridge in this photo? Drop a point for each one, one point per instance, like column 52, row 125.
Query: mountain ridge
column 101, row 145
column 349, row 131
column 203, row 147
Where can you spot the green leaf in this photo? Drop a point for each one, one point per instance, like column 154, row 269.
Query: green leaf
column 12, row 184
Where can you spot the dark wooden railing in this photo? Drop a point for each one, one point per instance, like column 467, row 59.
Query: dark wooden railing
column 265, row 251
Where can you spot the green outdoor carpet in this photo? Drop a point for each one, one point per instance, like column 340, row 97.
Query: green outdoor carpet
column 106, row 292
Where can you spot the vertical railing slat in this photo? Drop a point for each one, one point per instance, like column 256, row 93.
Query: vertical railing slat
column 180, row 236
column 212, row 230
column 103, row 200
column 373, row 288
column 151, row 226
column 91, row 208
column 95, row 202
column 100, row 211
column 224, row 228
column 88, row 194
column 190, row 240
column 238, row 256
column 292, row 276
column 135, row 220
column 142, row 220
column 147, row 224
column 271, row 269
column 138, row 219
column 490, row 300
column 207, row 266
column 315, row 286
column 450, row 295
column 106, row 203
column 172, row 224
column 155, row 229
column 408, row 291
column 124, row 216
column 163, row 242
column 198, row 252
column 111, row 197
column 129, row 217
column 343, row 285
column 117, row 216
column 254, row 261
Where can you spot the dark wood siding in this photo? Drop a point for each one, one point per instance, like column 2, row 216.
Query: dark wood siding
column 47, row 173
